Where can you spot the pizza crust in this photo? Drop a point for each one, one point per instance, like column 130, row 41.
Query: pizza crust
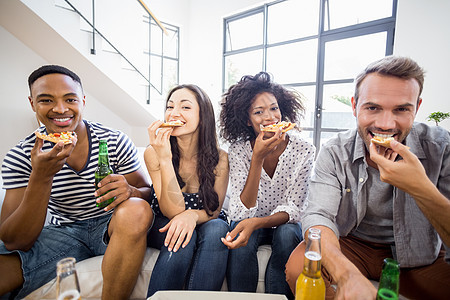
column 176, row 123
column 274, row 127
column 65, row 137
column 384, row 142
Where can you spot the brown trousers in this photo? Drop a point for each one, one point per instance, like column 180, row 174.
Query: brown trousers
column 427, row 282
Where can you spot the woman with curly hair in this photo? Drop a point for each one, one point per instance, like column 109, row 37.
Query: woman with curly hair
column 269, row 174
column 189, row 173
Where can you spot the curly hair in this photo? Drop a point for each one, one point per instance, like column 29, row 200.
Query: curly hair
column 236, row 103
column 208, row 149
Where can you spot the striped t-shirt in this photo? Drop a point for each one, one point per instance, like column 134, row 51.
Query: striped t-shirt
column 72, row 196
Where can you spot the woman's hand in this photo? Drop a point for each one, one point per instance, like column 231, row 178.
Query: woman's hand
column 264, row 146
column 239, row 236
column 160, row 139
column 180, row 229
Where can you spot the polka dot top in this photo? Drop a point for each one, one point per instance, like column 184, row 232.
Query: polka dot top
column 286, row 191
column 191, row 201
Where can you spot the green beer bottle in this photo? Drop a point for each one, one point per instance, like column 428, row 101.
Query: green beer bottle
column 103, row 170
column 389, row 280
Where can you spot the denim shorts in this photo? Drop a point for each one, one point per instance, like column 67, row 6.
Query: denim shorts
column 81, row 239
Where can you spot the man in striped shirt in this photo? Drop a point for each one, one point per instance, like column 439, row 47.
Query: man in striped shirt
column 39, row 175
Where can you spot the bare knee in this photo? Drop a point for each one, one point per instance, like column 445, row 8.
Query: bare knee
column 294, row 265
column 11, row 276
column 132, row 217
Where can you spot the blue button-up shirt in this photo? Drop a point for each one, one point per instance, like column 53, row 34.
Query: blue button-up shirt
column 339, row 194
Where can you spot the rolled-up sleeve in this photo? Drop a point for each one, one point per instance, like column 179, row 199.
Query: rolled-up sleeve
column 325, row 194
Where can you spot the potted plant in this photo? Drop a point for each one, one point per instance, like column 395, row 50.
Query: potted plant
column 438, row 116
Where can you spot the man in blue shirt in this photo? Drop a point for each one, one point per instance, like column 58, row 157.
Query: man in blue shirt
column 372, row 202
column 39, row 175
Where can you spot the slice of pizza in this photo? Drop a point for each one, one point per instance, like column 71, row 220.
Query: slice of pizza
column 285, row 126
column 65, row 136
column 383, row 141
column 176, row 123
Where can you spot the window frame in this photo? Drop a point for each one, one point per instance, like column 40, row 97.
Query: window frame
column 323, row 36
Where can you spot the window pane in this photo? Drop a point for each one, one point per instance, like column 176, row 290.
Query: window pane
column 245, row 32
column 293, row 63
column 337, row 108
column 292, row 20
column 156, row 39
column 341, row 13
column 309, row 92
column 238, row 65
column 345, row 58
column 171, row 44
column 170, row 75
column 156, row 72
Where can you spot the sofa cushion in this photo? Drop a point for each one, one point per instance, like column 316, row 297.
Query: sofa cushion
column 90, row 277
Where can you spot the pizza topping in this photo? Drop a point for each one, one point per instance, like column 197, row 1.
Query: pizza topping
column 285, row 126
column 65, row 136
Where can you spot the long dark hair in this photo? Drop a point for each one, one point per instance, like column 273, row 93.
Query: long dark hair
column 236, row 102
column 208, row 149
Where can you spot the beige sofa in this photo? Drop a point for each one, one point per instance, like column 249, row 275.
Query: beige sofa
column 90, row 277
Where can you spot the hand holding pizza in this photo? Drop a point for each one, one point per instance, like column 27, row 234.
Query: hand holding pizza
column 405, row 173
column 160, row 139
column 264, row 146
column 47, row 164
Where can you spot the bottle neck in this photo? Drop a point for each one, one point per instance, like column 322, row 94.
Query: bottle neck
column 103, row 159
column 103, row 154
column 312, row 264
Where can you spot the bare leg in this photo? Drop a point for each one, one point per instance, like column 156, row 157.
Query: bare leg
column 11, row 276
column 126, row 250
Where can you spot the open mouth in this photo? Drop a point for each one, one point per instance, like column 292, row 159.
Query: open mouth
column 381, row 135
column 62, row 121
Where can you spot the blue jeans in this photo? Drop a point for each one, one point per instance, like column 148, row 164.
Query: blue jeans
column 81, row 239
column 200, row 265
column 242, row 271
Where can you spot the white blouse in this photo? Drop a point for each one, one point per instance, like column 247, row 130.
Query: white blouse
column 286, row 191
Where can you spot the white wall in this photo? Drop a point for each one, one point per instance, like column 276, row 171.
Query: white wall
column 423, row 33
column 201, row 33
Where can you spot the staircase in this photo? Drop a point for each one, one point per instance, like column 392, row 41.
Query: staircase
column 60, row 36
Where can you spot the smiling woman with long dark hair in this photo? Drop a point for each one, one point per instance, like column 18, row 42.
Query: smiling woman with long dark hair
column 189, row 174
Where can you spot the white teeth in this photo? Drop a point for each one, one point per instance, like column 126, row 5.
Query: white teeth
column 62, row 120
column 384, row 136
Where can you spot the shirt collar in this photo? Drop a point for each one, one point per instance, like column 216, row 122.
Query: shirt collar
column 413, row 141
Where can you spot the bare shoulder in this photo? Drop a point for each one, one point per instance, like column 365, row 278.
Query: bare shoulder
column 223, row 161
column 223, row 156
